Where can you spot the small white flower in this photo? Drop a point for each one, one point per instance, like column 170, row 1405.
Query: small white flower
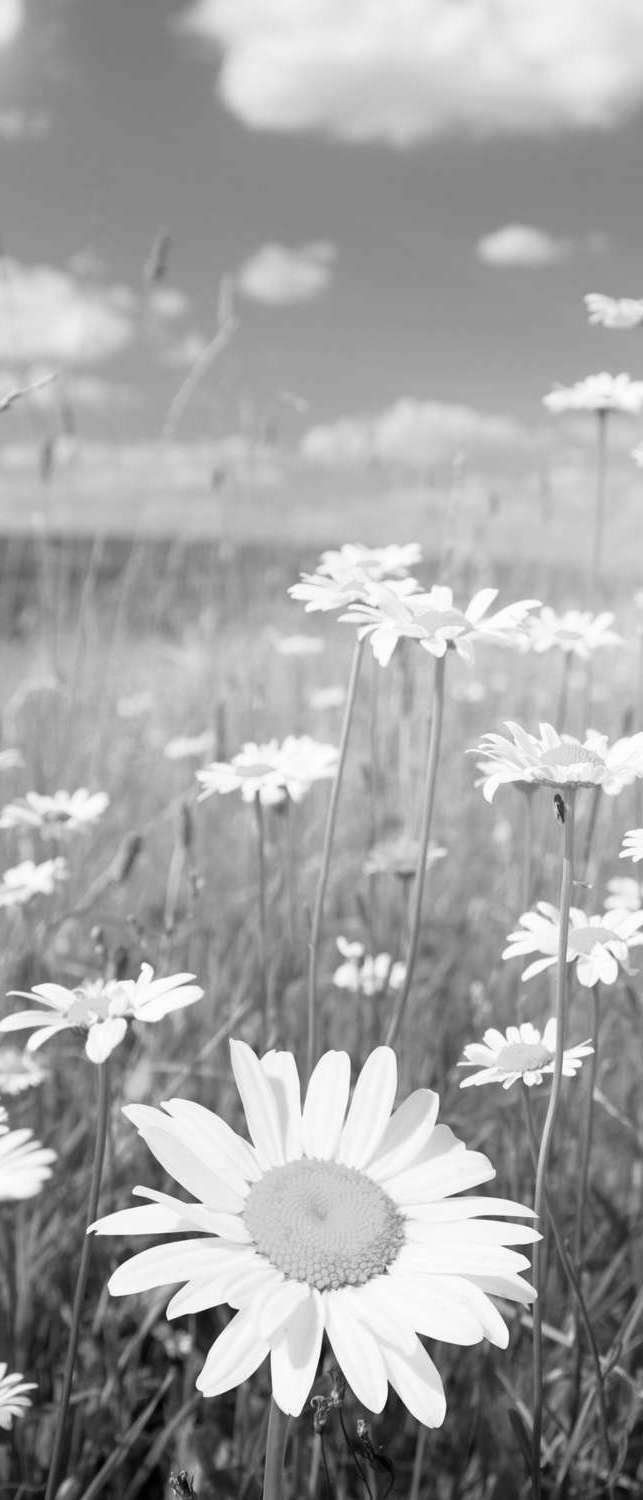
column 392, row 561
column 365, row 973
column 271, row 771
column 190, row 747
column 19, row 1072
column 520, row 1053
column 24, row 1165
column 576, row 632
column 599, row 393
column 632, row 845
column 557, row 760
column 23, row 881
column 64, row 812
column 325, row 698
column 597, row 945
column 299, row 645
column 11, row 760
column 343, row 577
column 388, row 615
column 14, row 1401
column 134, row 705
column 302, row 761
column 624, row 894
column 614, row 312
column 102, row 1008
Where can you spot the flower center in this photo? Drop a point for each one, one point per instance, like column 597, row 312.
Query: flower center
column 323, row 1223
column 523, row 1057
column 584, row 939
column 571, row 765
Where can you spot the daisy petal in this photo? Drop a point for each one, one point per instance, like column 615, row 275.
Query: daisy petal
column 407, row 1133
column 417, row 1381
column 357, row 1352
column 103, row 1037
column 191, row 1171
column 281, row 1070
column 234, row 1356
column 259, row 1105
column 295, row 1355
column 370, row 1109
column 163, row 1264
column 325, row 1104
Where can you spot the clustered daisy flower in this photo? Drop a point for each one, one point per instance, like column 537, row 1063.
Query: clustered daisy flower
column 557, row 760
column 520, row 1053
column 598, row 393
column 64, row 812
column 102, row 1008
column 576, row 632
column 24, row 1164
column 14, row 1401
column 26, row 880
column 365, row 973
column 614, row 312
column 596, row 945
column 335, row 1219
column 632, row 845
column 271, row 771
column 388, row 616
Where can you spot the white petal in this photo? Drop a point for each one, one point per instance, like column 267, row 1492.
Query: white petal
column 239, row 1274
column 406, row 1135
column 259, row 1105
column 38, row 1037
column 280, row 1305
column 295, row 1355
column 103, row 1037
column 152, row 1219
column 325, row 1104
column 475, row 1231
column 383, row 1310
column 164, row 1138
column 281, row 1070
column 512, row 1288
column 22, row 1019
column 370, row 1109
column 230, row 1151
column 461, row 1260
column 452, row 1173
column 452, row 1210
column 163, row 1264
column 195, row 1216
column 435, row 1312
column 417, row 1382
column 357, row 1352
column 234, row 1356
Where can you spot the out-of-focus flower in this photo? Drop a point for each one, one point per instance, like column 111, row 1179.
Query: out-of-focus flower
column 632, row 845
column 11, row 760
column 14, row 1401
column 271, row 771
column 557, row 760
column 520, row 1053
column 326, row 698
column 190, row 747
column 102, row 1008
column 365, row 973
column 433, row 621
column 575, row 632
column 303, row 761
column 64, row 812
column 392, row 561
column 300, row 645
column 19, row 1072
column 331, row 1222
column 24, row 1165
column 614, row 312
column 133, row 705
column 598, row 393
column 597, row 945
column 624, row 893
column 399, row 856
column 23, row 881
column 343, row 577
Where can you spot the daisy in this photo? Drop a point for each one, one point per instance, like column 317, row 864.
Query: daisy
column 102, row 1008
column 597, row 945
column 557, row 760
column 190, row 747
column 299, row 645
column 367, row 974
column 632, row 845
column 614, row 312
column 11, row 760
column 13, row 1400
column 392, row 561
column 64, row 812
column 133, row 705
column 335, row 1222
column 598, row 393
column 302, row 761
column 520, row 1053
column 576, row 632
column 271, row 771
column 325, row 698
column 624, row 894
column 23, row 881
column 24, row 1164
column 18, row 1072
column 324, row 591
column 433, row 620
column 399, row 856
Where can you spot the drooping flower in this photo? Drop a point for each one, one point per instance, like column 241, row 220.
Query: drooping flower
column 596, row 945
column 387, row 616
column 598, row 393
column 24, row 1164
column 336, row 1222
column 576, row 632
column 64, row 812
column 632, row 845
column 519, row 1053
column 399, row 857
column 19, row 1072
column 271, row 771
column 614, row 312
column 23, row 881
column 14, row 1401
column 365, row 973
column 557, row 760
column 102, row 1008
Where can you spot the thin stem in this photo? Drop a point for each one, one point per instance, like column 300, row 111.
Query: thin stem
column 427, row 814
column 331, row 819
column 599, row 509
column 561, row 711
column 102, row 1116
column 418, row 1462
column 278, row 1424
column 583, row 1180
column 263, row 926
column 527, row 848
column 567, row 880
column 591, row 829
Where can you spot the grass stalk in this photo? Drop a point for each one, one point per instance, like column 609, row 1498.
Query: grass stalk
column 278, row 1424
column 599, row 507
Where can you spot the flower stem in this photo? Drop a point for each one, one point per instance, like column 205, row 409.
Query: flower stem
column 599, row 510
column 427, row 814
column 561, row 711
column 331, row 819
column 527, row 848
column 278, row 1424
column 567, row 880
column 263, row 928
column 102, row 1116
column 583, row 1179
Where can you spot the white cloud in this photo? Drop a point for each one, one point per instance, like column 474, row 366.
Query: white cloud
column 374, row 70
column 12, row 15
column 414, row 434
column 45, row 314
column 523, row 246
column 277, row 274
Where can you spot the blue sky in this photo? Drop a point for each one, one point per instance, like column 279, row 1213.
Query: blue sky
column 342, row 169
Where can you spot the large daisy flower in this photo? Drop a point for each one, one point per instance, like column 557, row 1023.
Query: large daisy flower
column 102, row 1008
column 64, row 812
column 519, row 1053
column 576, row 632
column 598, row 393
column 331, row 1221
column 432, row 619
column 24, row 1164
column 598, row 945
column 14, row 1401
column 632, row 845
column 557, row 760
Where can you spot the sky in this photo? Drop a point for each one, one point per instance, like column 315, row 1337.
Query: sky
column 396, row 208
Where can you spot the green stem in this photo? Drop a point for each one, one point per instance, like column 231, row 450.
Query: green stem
column 567, row 880
column 591, row 829
column 427, row 815
column 583, row 1180
column 561, row 711
column 278, row 1423
column 263, row 927
column 599, row 510
column 418, row 1462
column 102, row 1117
column 527, row 848
column 331, row 819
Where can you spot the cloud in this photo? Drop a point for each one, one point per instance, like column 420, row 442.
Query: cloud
column 46, row 314
column 523, row 246
column 415, row 434
column 421, row 68
column 12, row 15
column 278, row 275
